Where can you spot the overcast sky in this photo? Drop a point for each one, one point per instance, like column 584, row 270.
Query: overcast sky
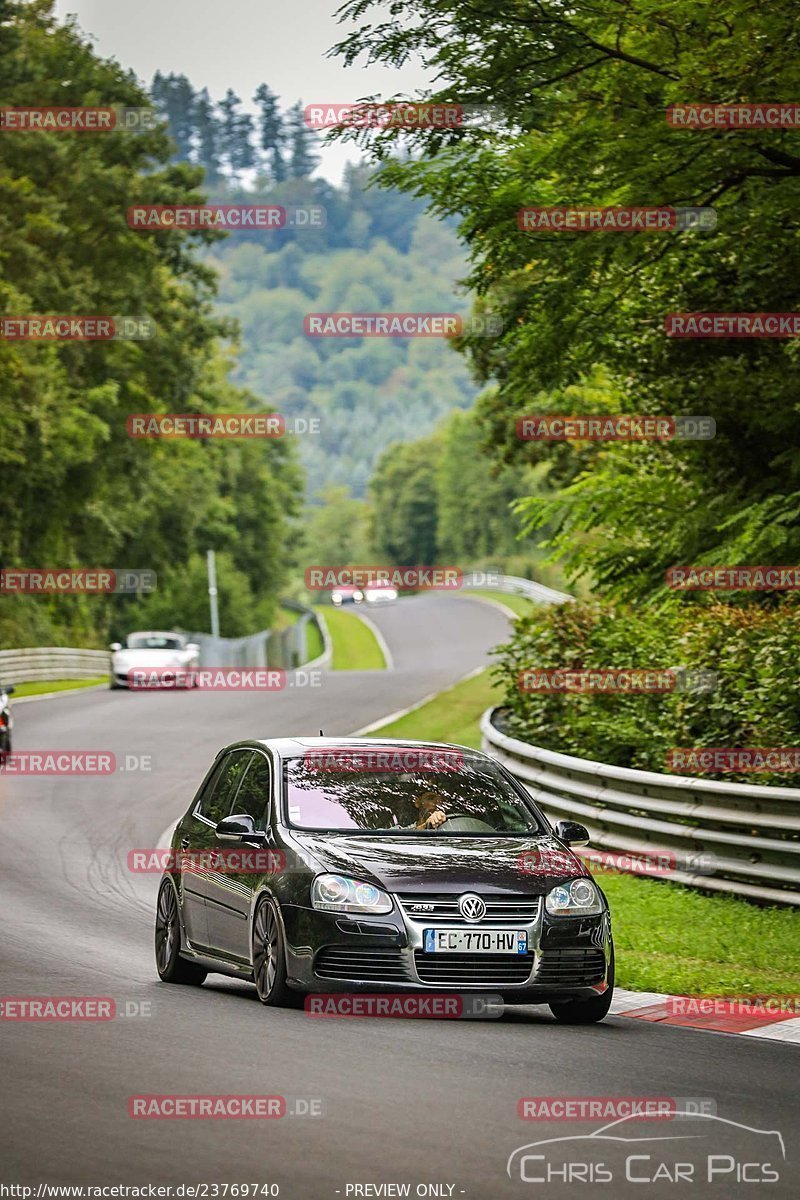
column 240, row 44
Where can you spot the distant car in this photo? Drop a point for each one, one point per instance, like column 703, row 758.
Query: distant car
column 346, row 594
column 154, row 652
column 6, row 720
column 316, row 865
column 380, row 592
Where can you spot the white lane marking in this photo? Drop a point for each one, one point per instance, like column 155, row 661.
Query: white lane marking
column 379, row 638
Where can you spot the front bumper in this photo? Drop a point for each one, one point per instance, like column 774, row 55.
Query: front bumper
column 568, row 957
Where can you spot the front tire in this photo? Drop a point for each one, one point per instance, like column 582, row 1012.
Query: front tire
column 586, row 1012
column 169, row 964
column 269, row 958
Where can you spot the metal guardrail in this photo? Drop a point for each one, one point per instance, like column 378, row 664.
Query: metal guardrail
column 281, row 648
column 34, row 664
column 514, row 585
column 728, row 837
column 286, row 648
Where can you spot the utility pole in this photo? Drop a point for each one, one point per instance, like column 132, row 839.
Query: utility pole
column 212, row 592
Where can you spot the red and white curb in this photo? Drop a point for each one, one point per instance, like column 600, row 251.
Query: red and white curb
column 712, row 1014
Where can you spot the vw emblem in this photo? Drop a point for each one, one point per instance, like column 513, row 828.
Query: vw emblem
column 471, row 907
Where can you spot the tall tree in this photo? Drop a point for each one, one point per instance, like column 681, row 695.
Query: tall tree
column 271, row 134
column 175, row 98
column 208, row 135
column 575, row 100
column 84, row 492
column 301, row 140
column 238, row 151
column 403, row 492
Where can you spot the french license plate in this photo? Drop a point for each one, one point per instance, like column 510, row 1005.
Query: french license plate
column 475, row 941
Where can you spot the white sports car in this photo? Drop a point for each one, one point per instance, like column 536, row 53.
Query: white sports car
column 153, row 652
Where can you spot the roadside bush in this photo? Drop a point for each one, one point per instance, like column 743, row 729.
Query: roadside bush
column 754, row 651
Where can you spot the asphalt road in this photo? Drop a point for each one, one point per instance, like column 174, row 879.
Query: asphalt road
column 432, row 1104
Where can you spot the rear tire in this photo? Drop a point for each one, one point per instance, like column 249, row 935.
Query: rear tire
column 269, row 958
column 169, row 964
column 586, row 1012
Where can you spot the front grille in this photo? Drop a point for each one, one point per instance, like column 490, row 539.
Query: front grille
column 442, row 907
column 571, row 968
column 461, row 970
column 369, row 964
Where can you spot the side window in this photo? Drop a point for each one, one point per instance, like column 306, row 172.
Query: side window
column 254, row 794
column 217, row 798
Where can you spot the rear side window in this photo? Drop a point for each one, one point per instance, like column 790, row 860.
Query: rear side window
column 217, row 798
column 254, row 794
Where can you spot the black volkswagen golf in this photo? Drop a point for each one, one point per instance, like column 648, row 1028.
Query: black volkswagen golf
column 321, row 865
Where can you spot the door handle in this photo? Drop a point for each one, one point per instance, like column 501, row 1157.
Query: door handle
column 185, row 843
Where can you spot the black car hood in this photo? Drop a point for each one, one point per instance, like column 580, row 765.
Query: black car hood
column 427, row 863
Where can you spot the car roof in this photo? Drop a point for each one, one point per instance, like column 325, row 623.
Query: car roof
column 294, row 747
column 155, row 633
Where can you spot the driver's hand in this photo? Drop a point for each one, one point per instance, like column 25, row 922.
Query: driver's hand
column 437, row 818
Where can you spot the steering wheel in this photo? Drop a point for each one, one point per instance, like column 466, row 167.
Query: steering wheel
column 463, row 824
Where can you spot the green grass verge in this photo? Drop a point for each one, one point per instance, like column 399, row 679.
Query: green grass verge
column 673, row 939
column 55, row 685
column 667, row 938
column 520, row 605
column 452, row 716
column 354, row 645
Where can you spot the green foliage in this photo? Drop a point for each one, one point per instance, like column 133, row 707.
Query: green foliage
column 80, row 492
column 579, row 96
column 437, row 499
column 403, row 490
column 336, row 529
column 753, row 651
column 366, row 392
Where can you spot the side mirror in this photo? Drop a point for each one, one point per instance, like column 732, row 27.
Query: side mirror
column 572, row 833
column 192, row 647
column 115, row 646
column 236, row 828
column 8, row 689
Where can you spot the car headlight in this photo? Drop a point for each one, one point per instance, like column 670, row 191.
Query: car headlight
column 338, row 893
column 577, row 899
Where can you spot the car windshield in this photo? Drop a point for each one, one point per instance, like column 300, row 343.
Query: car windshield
column 154, row 641
column 359, row 791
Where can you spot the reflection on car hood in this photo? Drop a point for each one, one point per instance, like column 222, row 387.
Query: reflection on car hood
column 427, row 863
